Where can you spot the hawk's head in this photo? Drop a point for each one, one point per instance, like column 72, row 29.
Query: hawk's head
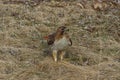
column 62, row 29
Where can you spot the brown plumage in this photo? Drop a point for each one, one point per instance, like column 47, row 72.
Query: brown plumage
column 59, row 41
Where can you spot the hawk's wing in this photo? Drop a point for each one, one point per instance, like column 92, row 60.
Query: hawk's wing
column 70, row 41
column 50, row 38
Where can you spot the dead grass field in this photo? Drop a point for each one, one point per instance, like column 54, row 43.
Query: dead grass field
column 24, row 54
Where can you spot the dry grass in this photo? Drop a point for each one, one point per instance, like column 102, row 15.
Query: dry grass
column 95, row 54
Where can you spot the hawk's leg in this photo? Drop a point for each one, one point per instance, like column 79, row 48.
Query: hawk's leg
column 62, row 55
column 54, row 55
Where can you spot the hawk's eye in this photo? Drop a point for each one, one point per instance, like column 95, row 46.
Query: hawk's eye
column 63, row 28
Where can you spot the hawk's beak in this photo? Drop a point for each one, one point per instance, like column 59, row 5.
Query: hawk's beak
column 66, row 30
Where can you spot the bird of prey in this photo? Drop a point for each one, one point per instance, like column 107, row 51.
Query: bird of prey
column 59, row 41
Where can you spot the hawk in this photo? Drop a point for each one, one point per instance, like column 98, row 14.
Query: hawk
column 59, row 41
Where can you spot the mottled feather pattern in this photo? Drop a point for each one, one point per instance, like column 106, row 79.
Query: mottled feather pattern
column 51, row 39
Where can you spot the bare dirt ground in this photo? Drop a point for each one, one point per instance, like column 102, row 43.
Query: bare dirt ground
column 24, row 54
